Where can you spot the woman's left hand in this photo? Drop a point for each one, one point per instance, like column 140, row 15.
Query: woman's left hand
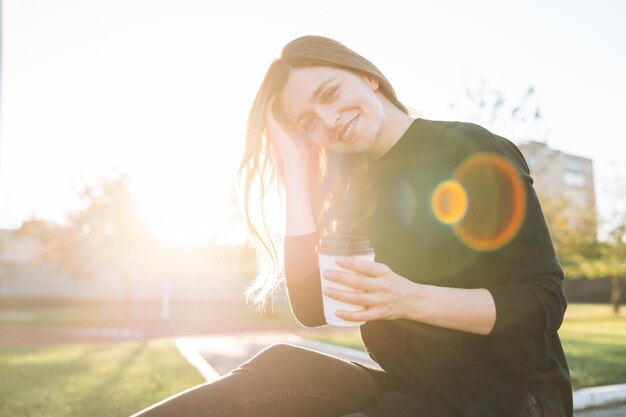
column 385, row 293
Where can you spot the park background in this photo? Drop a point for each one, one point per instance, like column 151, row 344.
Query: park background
column 121, row 130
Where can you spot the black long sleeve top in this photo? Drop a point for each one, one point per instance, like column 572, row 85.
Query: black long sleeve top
column 451, row 372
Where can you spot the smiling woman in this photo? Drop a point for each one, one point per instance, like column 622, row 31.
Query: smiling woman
column 463, row 301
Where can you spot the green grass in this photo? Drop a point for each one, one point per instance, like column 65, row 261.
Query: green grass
column 593, row 338
column 95, row 380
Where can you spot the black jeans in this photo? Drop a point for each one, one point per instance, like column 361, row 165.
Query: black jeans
column 291, row 381
column 282, row 380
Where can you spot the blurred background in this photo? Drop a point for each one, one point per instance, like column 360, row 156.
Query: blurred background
column 122, row 127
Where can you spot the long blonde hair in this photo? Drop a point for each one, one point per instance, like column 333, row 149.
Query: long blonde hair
column 342, row 188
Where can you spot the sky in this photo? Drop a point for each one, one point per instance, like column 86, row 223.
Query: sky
column 161, row 89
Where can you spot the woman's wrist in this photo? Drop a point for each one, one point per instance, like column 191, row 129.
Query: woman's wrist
column 469, row 310
column 413, row 305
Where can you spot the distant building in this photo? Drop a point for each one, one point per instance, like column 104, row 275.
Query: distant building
column 561, row 175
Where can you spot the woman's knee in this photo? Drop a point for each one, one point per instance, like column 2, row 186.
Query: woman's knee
column 287, row 362
column 282, row 349
column 279, row 355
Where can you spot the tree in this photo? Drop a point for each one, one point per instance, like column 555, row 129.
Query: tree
column 16, row 246
column 4, row 264
column 490, row 107
column 616, row 238
column 107, row 235
column 580, row 252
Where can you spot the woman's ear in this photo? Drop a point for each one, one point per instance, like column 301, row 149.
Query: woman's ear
column 371, row 81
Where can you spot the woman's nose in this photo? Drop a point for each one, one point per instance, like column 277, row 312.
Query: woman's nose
column 330, row 119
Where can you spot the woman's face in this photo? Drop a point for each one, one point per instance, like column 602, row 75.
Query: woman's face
column 337, row 109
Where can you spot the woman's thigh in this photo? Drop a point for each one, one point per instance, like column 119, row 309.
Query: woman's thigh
column 281, row 380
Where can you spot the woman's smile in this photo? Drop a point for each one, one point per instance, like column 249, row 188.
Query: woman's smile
column 348, row 132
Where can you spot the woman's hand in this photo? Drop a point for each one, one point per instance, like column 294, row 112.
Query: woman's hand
column 390, row 296
column 385, row 293
column 293, row 146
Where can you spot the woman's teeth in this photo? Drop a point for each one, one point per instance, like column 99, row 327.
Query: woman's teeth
column 349, row 129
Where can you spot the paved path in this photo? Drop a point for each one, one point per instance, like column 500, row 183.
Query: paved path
column 617, row 410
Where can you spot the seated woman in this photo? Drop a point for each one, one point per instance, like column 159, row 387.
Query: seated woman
column 461, row 307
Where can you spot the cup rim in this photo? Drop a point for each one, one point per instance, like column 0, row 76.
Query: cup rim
column 345, row 244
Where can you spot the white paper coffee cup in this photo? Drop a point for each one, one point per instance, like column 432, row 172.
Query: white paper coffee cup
column 330, row 249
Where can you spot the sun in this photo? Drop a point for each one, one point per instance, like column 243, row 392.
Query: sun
column 177, row 213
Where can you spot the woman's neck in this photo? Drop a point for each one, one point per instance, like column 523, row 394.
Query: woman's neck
column 395, row 124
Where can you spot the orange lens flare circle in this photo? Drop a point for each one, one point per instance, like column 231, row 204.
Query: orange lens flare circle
column 496, row 201
column 449, row 202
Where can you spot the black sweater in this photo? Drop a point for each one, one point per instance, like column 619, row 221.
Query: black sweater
column 446, row 369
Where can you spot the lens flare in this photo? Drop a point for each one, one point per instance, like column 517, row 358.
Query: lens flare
column 449, row 202
column 496, row 201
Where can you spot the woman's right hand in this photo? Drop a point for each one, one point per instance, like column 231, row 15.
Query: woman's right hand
column 297, row 166
column 293, row 146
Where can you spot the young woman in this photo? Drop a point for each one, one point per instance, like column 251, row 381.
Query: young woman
column 464, row 300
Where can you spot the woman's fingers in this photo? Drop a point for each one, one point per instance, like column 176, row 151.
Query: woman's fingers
column 359, row 298
column 369, row 314
column 381, row 290
column 365, row 267
column 353, row 280
column 290, row 144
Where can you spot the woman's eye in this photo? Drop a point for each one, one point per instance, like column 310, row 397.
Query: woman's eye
column 330, row 94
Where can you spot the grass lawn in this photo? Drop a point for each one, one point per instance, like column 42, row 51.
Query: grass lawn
column 95, row 380
column 593, row 338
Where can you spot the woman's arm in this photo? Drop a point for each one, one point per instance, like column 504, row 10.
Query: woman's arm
column 468, row 310
column 298, row 201
column 301, row 261
column 296, row 153
column 529, row 296
column 301, row 265
column 391, row 296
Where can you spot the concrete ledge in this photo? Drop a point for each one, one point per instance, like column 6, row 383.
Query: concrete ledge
column 599, row 396
column 189, row 352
